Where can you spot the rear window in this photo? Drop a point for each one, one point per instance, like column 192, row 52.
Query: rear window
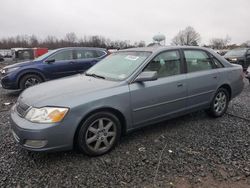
column 100, row 53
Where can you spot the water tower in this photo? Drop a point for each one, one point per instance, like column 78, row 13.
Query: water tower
column 159, row 38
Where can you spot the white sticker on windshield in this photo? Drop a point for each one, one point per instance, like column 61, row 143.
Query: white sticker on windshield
column 131, row 57
column 122, row 76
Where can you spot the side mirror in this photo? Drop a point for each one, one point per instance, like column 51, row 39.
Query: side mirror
column 49, row 61
column 146, row 76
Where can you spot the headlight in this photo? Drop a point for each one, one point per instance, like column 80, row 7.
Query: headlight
column 46, row 114
column 3, row 71
column 7, row 70
column 234, row 59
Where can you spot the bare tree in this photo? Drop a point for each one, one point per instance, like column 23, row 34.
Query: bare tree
column 71, row 38
column 187, row 37
column 246, row 44
column 220, row 43
column 33, row 41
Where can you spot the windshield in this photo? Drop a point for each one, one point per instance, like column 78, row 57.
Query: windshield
column 118, row 66
column 45, row 55
column 236, row 52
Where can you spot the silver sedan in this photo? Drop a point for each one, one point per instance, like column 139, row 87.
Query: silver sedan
column 127, row 90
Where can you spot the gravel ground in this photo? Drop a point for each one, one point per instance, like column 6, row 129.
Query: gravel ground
column 191, row 151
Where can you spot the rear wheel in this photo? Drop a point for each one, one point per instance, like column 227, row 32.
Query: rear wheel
column 99, row 134
column 219, row 103
column 30, row 80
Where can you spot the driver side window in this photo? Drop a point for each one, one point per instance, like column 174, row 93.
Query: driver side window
column 165, row 64
column 62, row 56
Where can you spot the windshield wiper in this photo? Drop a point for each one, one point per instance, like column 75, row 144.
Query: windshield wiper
column 95, row 75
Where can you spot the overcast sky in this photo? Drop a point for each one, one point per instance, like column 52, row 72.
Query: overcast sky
column 132, row 20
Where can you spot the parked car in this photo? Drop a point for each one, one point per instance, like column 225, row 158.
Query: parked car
column 54, row 64
column 1, row 58
column 239, row 56
column 248, row 74
column 127, row 90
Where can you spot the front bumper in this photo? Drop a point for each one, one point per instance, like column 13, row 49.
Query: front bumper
column 8, row 83
column 40, row 137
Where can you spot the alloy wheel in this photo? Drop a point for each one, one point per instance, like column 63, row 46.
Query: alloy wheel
column 31, row 82
column 101, row 135
column 220, row 102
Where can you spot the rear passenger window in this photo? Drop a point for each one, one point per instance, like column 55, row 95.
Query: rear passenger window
column 100, row 53
column 197, row 60
column 217, row 63
column 85, row 54
column 165, row 64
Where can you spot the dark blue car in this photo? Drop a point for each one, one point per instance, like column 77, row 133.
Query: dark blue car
column 52, row 65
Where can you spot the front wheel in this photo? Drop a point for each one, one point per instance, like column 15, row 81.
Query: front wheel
column 219, row 103
column 30, row 80
column 99, row 134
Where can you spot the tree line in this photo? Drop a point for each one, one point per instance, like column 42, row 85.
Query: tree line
column 188, row 37
column 70, row 39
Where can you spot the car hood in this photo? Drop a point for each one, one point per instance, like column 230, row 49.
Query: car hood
column 21, row 64
column 63, row 91
column 231, row 57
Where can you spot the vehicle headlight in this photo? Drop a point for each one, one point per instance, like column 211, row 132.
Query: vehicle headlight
column 7, row 70
column 46, row 114
column 3, row 71
column 234, row 59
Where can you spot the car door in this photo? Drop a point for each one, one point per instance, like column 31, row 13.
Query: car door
column 153, row 100
column 60, row 64
column 84, row 59
column 202, row 78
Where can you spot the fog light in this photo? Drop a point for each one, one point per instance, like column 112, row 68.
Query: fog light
column 35, row 143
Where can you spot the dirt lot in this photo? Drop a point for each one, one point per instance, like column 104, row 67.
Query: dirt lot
column 190, row 151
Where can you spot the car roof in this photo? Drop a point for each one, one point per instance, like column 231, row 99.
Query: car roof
column 162, row 48
column 85, row 48
column 240, row 48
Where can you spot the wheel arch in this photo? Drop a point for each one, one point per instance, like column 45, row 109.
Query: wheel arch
column 36, row 72
column 228, row 88
column 116, row 112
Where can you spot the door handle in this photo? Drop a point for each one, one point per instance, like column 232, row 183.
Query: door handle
column 179, row 84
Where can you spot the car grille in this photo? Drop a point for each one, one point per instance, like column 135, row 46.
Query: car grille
column 22, row 108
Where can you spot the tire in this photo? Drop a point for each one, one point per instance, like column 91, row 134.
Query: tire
column 219, row 104
column 29, row 80
column 98, row 134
